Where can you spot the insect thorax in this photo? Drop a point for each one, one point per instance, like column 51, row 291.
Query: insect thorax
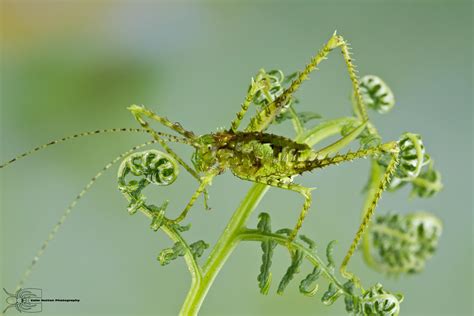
column 251, row 154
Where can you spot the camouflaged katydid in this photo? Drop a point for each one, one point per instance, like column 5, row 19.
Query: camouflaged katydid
column 253, row 154
column 265, row 158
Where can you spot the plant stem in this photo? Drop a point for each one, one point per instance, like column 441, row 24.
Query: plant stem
column 223, row 248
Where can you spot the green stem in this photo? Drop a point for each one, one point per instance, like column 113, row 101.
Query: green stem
column 222, row 250
column 324, row 130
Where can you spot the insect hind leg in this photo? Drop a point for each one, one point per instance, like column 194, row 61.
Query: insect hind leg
column 262, row 119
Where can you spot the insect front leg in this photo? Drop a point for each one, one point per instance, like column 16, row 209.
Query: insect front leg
column 204, row 182
column 139, row 112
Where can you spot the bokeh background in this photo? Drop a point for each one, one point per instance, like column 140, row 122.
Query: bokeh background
column 70, row 66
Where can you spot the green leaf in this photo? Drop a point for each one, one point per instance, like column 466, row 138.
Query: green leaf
column 198, row 247
column 307, row 285
column 330, row 254
column 265, row 276
column 351, row 301
column 311, row 243
column 293, row 269
column 169, row 254
column 331, row 295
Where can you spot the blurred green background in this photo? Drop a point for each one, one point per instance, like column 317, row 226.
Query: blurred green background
column 71, row 66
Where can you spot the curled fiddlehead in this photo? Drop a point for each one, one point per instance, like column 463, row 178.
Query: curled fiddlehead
column 428, row 183
column 376, row 94
column 155, row 167
column 269, row 85
column 378, row 301
column 147, row 167
column 412, row 158
column 404, row 243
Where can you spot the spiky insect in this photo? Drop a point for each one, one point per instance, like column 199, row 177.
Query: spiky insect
column 252, row 154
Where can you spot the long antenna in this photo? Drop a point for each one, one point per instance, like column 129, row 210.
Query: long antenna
column 68, row 210
column 169, row 137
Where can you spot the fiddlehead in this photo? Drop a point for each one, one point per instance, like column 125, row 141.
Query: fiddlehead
column 428, row 183
column 376, row 94
column 404, row 243
column 377, row 301
column 412, row 158
column 155, row 167
column 268, row 86
column 148, row 167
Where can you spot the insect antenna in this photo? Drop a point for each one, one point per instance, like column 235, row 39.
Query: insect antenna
column 68, row 210
column 168, row 137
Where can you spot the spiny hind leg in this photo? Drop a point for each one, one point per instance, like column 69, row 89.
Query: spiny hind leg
column 234, row 125
column 263, row 84
column 391, row 148
column 262, row 119
column 368, row 213
column 304, row 191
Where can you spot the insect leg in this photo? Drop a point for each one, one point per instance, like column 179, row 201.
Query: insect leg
column 204, row 182
column 139, row 111
column 263, row 119
column 393, row 149
column 368, row 213
column 244, row 106
column 278, row 183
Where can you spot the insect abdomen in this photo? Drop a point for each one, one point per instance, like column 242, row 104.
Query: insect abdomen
column 261, row 154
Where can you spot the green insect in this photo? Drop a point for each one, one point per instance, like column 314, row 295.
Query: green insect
column 250, row 154
column 265, row 158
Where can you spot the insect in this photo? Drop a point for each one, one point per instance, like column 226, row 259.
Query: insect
column 251, row 154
